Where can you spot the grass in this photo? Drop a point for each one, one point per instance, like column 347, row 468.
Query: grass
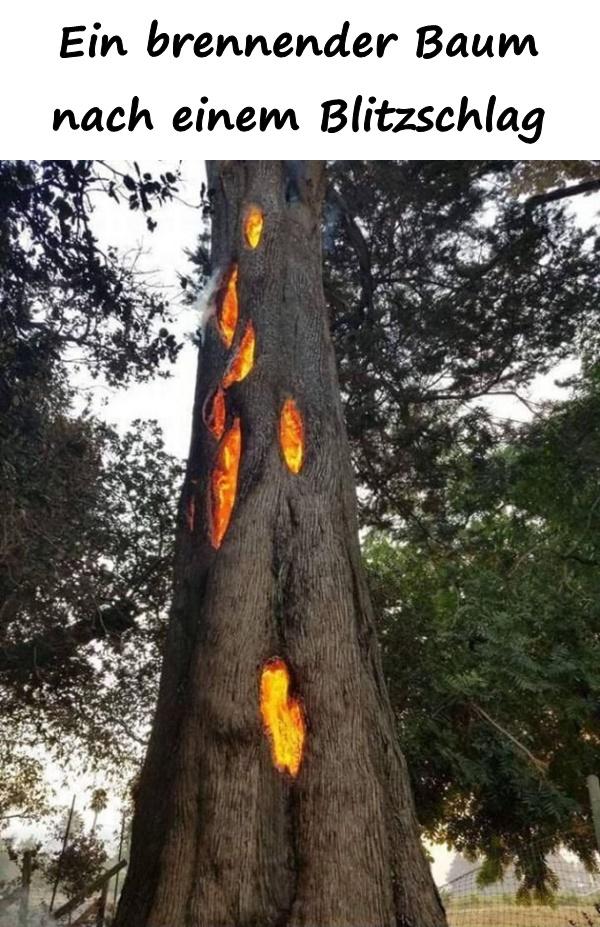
column 471, row 911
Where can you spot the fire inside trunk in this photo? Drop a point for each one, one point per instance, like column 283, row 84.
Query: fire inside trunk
column 282, row 716
column 216, row 414
column 228, row 309
column 243, row 362
column 253, row 225
column 223, row 483
column 274, row 792
column 291, row 435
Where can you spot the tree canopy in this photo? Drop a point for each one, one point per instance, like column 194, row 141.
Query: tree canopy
column 87, row 514
column 498, row 705
column 444, row 290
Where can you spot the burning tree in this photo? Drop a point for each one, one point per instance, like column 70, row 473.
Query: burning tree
column 274, row 791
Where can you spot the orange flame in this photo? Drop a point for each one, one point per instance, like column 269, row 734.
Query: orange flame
column 223, row 482
column 253, row 225
column 215, row 420
column 291, row 435
column 282, row 717
column 243, row 362
column 228, row 310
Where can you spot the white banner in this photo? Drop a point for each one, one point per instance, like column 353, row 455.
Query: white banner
column 338, row 79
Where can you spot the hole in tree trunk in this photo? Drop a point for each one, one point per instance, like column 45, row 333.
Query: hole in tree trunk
column 215, row 419
column 243, row 362
column 253, row 225
column 228, row 310
column 223, row 482
column 282, row 717
column 291, row 435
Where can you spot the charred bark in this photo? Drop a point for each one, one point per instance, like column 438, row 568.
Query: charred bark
column 221, row 838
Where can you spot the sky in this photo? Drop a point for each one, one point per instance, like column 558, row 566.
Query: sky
column 162, row 257
column 169, row 401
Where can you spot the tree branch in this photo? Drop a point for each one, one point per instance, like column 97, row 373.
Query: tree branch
column 576, row 189
column 540, row 765
column 360, row 248
column 60, row 642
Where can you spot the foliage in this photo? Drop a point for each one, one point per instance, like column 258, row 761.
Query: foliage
column 84, row 618
column 87, row 515
column 99, row 800
column 538, row 176
column 443, row 290
column 59, row 289
column 83, row 859
column 23, row 792
column 498, row 700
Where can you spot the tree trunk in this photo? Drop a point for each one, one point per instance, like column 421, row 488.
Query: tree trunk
column 221, row 837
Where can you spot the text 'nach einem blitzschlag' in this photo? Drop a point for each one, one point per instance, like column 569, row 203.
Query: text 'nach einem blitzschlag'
column 363, row 113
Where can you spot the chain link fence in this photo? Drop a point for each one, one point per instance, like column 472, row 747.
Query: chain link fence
column 574, row 899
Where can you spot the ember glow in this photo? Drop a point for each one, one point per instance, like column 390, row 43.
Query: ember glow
column 243, row 362
column 254, row 221
column 223, row 482
column 291, row 435
column 282, row 717
column 228, row 310
column 215, row 420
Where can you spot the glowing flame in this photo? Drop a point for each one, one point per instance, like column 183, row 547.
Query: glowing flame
column 291, row 435
column 282, row 717
column 228, row 311
column 223, row 483
column 243, row 362
column 253, row 225
column 215, row 420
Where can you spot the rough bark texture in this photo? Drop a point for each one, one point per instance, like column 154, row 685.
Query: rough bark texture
column 221, row 838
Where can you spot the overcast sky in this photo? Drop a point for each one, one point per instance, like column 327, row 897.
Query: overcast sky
column 163, row 258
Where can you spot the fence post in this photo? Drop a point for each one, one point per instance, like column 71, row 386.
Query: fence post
column 25, row 887
column 62, row 854
column 116, row 895
column 102, row 905
column 90, row 889
column 594, row 790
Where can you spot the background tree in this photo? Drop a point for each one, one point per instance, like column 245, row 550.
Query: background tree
column 98, row 803
column 60, row 289
column 83, row 858
column 86, row 581
column 22, row 862
column 547, row 181
column 502, row 625
column 86, row 523
column 444, row 291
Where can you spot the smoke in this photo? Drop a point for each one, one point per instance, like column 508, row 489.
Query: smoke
column 206, row 304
